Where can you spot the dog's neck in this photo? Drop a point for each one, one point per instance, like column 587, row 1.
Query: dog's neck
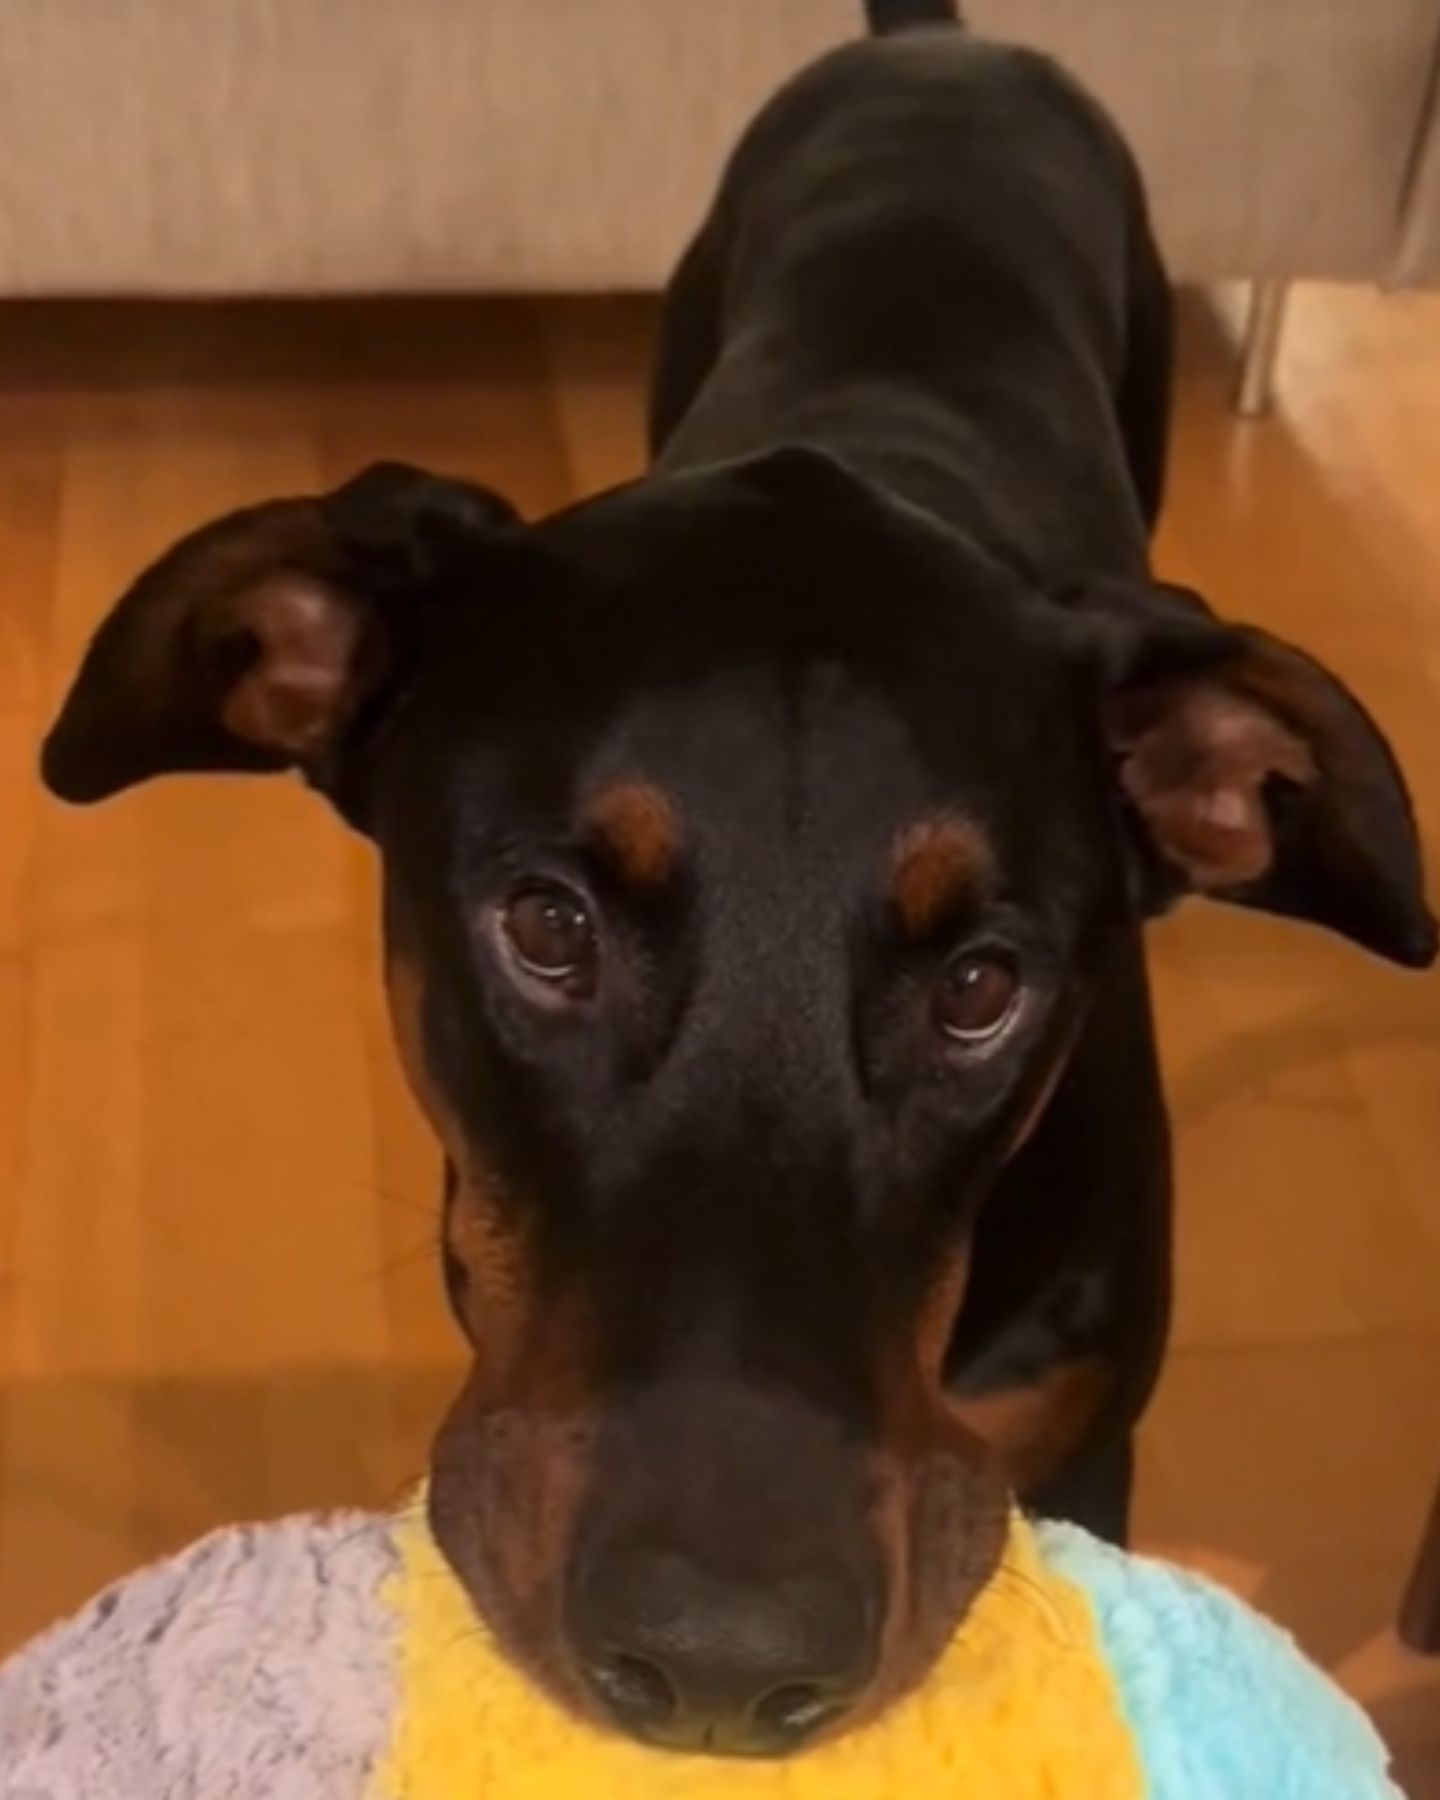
column 1048, row 506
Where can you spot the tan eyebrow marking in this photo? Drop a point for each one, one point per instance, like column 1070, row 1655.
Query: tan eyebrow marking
column 638, row 830
column 935, row 864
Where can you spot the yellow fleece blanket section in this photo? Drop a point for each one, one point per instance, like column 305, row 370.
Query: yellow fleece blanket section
column 1021, row 1707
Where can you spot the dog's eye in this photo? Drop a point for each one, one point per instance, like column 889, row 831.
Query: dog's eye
column 978, row 996
column 549, row 932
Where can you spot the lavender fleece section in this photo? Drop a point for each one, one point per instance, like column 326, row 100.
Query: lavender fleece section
column 258, row 1663
column 260, row 1666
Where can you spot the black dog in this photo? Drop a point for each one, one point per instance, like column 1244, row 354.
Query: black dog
column 766, row 850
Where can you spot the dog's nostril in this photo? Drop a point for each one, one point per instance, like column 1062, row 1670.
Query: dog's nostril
column 637, row 1691
column 689, row 1659
column 795, row 1710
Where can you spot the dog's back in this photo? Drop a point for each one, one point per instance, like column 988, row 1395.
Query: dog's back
column 959, row 225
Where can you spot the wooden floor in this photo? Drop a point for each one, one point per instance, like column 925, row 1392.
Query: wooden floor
column 217, row 1295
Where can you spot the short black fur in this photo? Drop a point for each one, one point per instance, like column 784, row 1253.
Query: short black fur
column 776, row 1278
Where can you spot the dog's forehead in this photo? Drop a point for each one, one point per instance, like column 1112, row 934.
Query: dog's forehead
column 803, row 745
column 795, row 756
column 813, row 608
column 811, row 771
column 766, row 666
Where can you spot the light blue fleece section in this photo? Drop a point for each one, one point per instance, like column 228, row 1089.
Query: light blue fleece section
column 1222, row 1703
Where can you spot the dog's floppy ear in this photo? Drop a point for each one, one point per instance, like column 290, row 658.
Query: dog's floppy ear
column 261, row 639
column 1253, row 773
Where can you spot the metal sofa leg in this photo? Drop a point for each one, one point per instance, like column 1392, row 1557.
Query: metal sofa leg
column 1420, row 1613
column 1255, row 392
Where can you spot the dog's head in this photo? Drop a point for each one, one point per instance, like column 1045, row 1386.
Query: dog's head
column 749, row 847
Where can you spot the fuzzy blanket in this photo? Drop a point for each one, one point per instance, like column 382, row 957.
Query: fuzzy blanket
column 337, row 1659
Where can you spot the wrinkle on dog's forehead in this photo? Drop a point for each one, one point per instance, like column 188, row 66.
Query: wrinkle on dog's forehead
column 750, row 754
column 819, row 777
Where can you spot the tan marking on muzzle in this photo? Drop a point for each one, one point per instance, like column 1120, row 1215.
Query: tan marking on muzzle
column 936, row 1323
column 1035, row 1428
column 512, row 1460
column 939, row 1513
column 482, row 1230
column 509, row 1474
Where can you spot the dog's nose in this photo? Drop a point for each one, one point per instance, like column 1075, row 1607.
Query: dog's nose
column 691, row 1660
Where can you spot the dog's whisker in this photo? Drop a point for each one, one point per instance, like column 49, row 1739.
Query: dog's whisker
column 411, row 1257
column 406, row 1202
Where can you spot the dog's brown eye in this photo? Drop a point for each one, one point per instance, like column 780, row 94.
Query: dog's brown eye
column 550, row 934
column 978, row 996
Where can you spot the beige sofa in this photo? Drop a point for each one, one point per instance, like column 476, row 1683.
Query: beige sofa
column 340, row 146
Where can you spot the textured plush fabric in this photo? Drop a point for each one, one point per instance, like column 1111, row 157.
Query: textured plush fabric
column 240, row 146
column 1020, row 1707
column 255, row 1666
column 337, row 1659
column 1221, row 1700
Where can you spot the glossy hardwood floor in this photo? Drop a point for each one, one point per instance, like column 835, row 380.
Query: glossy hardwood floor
column 217, row 1293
